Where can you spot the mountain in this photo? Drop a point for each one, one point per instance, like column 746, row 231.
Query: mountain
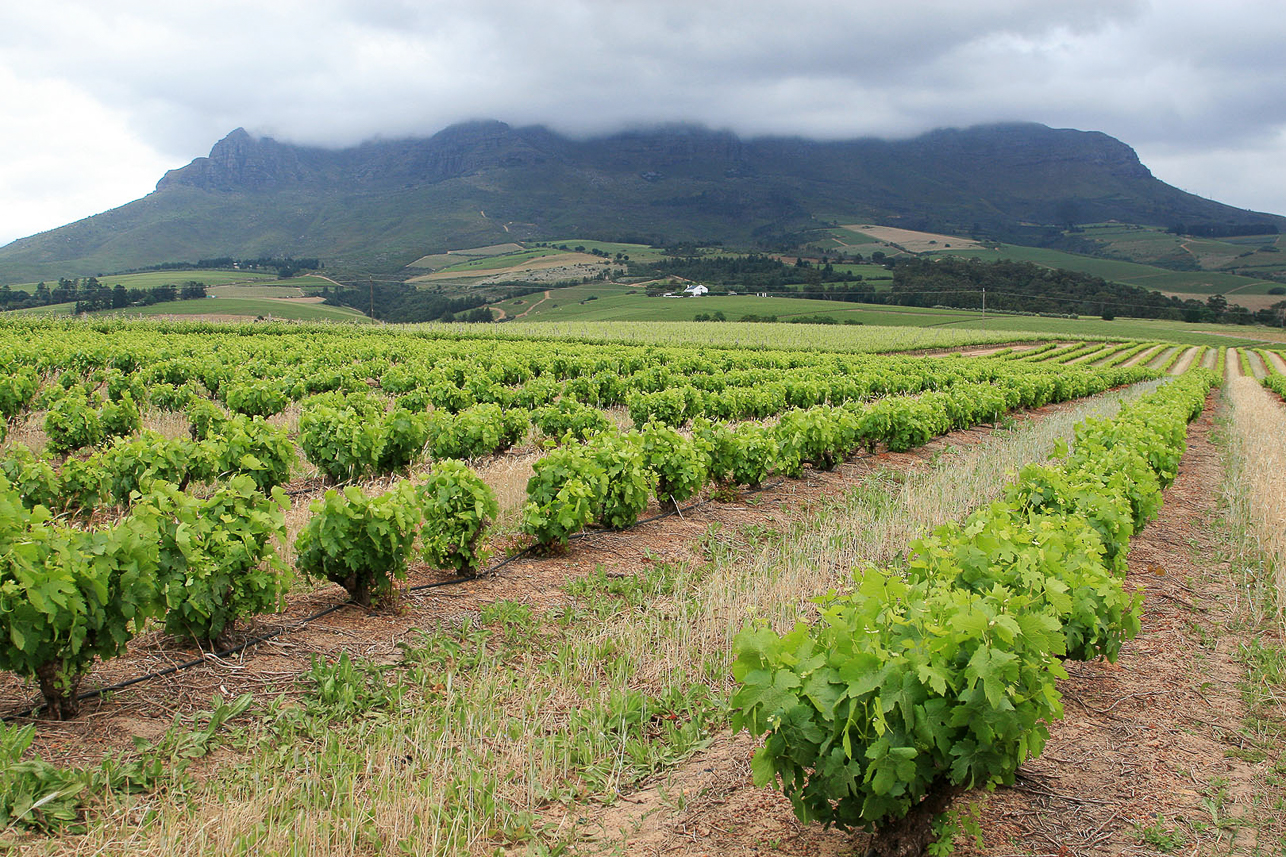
column 380, row 205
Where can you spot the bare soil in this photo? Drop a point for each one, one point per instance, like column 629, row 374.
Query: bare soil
column 1155, row 736
column 146, row 709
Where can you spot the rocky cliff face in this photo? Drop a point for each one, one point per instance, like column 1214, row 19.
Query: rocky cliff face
column 240, row 162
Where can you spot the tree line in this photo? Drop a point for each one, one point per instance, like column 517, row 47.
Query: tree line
column 754, row 271
column 91, row 295
column 1025, row 287
column 402, row 303
column 286, row 267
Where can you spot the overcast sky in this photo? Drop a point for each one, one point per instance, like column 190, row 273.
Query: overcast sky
column 98, row 100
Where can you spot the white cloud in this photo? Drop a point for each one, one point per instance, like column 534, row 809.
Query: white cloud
column 1193, row 85
column 64, row 156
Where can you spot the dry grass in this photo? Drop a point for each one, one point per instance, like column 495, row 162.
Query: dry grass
column 446, row 770
column 1258, row 480
column 1186, row 362
column 885, row 513
column 507, row 476
column 1144, row 357
column 28, row 431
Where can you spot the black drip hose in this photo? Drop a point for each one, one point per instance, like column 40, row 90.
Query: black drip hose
column 232, row 650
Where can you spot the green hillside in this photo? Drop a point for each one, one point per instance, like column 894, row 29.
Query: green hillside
column 376, row 208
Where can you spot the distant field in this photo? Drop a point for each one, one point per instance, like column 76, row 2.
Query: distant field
column 1149, row 243
column 252, row 307
column 151, row 279
column 220, row 307
column 912, row 241
column 1195, row 283
column 486, row 261
column 616, row 305
column 870, row 273
column 552, row 267
column 852, row 236
column 308, row 282
column 439, row 261
column 636, row 252
column 808, row 337
column 51, row 309
column 508, row 260
column 267, row 290
column 613, row 303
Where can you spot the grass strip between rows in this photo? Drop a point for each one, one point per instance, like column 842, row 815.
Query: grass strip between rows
column 922, row 680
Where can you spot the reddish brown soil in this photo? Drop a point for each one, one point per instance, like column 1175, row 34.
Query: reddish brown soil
column 146, row 709
column 1157, row 735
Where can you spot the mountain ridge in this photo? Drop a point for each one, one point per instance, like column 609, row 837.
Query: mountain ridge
column 381, row 204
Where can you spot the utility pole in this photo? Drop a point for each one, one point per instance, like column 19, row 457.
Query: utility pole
column 984, row 308
column 372, row 279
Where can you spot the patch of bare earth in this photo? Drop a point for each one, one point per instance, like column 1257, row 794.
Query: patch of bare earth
column 913, row 241
column 1184, row 363
column 1155, row 736
column 270, row 667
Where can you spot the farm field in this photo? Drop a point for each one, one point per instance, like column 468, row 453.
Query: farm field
column 219, row 307
column 515, row 255
column 1197, row 283
column 648, row 517
column 613, row 303
column 151, row 279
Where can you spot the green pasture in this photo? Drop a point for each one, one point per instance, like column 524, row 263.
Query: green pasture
column 852, row 237
column 152, row 279
column 50, row 310
column 616, row 305
column 267, row 290
column 250, row 307
column 636, row 252
column 869, row 273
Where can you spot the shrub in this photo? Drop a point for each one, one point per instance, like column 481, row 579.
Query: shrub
column 68, row 596
column 120, row 418
column 71, row 424
column 359, row 542
column 562, row 495
column 629, row 482
column 404, row 435
column 254, row 398
column 457, row 507
column 343, row 444
column 250, row 446
column 217, row 562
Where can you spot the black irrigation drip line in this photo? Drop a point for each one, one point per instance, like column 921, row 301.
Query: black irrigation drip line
column 456, row 581
column 253, row 641
column 263, row 638
column 171, row 670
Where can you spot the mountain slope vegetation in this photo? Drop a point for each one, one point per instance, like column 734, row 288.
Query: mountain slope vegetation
column 379, row 206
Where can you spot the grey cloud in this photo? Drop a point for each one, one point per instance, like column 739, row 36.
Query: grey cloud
column 1184, row 75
